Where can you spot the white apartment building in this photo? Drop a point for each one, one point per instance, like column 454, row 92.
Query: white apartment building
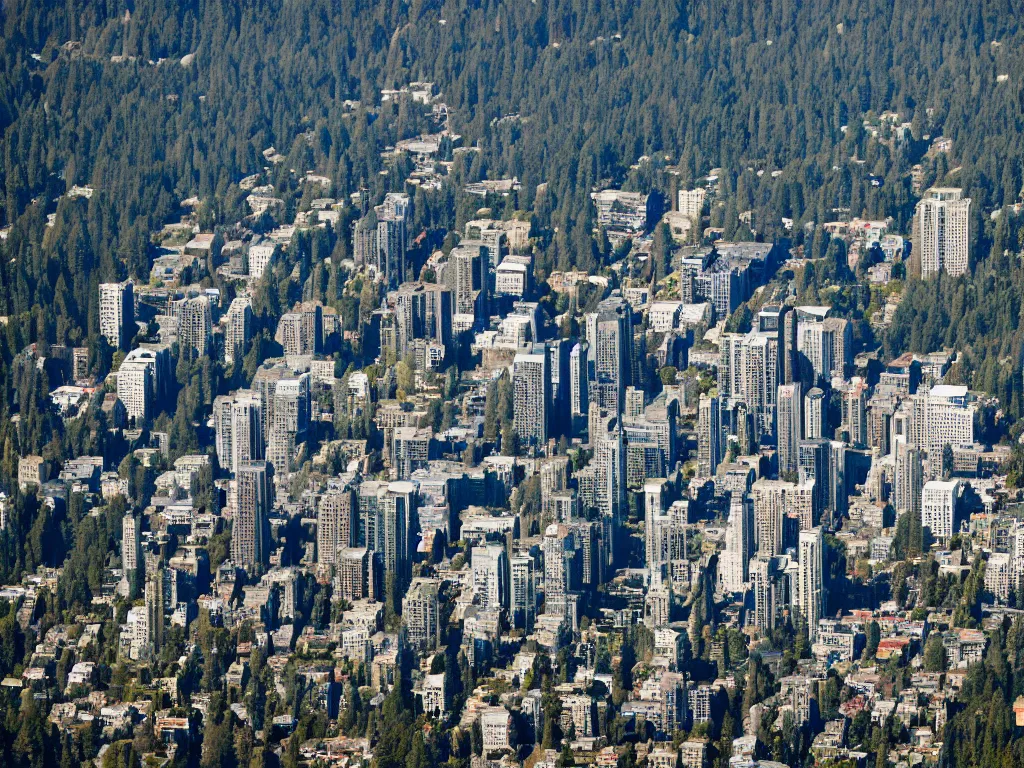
column 511, row 278
column 998, row 575
column 810, row 592
column 531, row 396
column 949, row 420
column 691, row 203
column 260, row 256
column 135, row 384
column 942, row 232
column 939, row 501
column 490, row 576
column 117, row 312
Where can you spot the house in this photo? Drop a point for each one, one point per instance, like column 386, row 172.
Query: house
column 172, row 730
column 892, row 647
column 81, row 674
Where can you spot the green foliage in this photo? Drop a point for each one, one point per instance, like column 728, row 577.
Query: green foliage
column 979, row 317
column 874, row 636
column 934, row 654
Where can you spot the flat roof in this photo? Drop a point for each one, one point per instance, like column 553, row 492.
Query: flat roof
column 948, row 390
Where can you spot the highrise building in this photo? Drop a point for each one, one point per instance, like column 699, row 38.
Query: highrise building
column 691, row 203
column 238, row 329
column 610, row 337
column 137, row 383
column 839, row 500
column 654, row 506
column 881, row 409
column 559, row 418
column 908, row 478
column 658, row 600
column 855, row 414
column 800, row 500
column 259, row 257
column 949, row 420
column 561, row 570
column 709, row 435
column 356, row 577
column 410, row 450
column 579, row 380
column 422, row 311
column 741, row 422
column 391, row 248
column 391, row 530
column 587, row 537
column 117, row 313
column 770, row 507
column 824, row 343
column 399, row 206
column 749, row 372
column 222, row 433
column 466, row 276
column 336, row 524
column 290, row 422
column 789, row 363
column 491, row 576
column 523, row 596
column 739, row 537
column 264, row 383
column 195, row 324
column 815, row 409
column 790, row 423
column 667, row 540
column 155, row 610
column 940, row 502
column 610, row 489
column 810, row 591
column 134, row 639
column 816, row 346
column 554, row 478
column 942, row 232
column 564, row 506
column 301, row 331
column 253, row 500
column 247, row 439
column 763, row 578
column 814, row 467
column 364, row 241
column 531, row 396
column 1016, row 546
column 131, row 551
column 634, row 403
column 840, row 332
column 420, row 612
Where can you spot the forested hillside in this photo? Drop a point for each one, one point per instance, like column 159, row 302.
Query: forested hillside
column 99, row 93
column 596, row 85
